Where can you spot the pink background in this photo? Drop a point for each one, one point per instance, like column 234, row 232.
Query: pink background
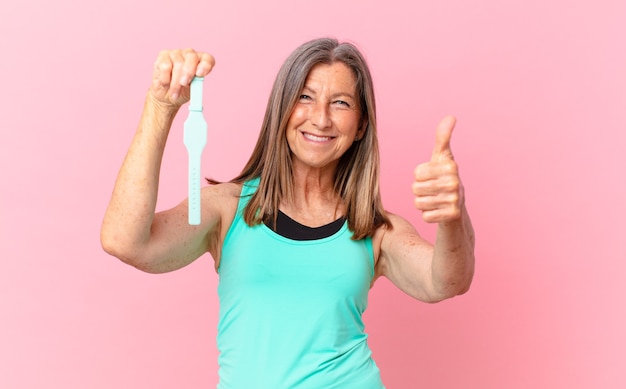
column 539, row 91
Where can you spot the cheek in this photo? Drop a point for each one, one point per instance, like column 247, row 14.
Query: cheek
column 349, row 124
column 298, row 116
column 295, row 121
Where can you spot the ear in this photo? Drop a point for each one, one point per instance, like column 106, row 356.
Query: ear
column 361, row 131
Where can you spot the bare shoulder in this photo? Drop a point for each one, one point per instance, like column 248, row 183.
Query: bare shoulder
column 222, row 199
column 399, row 226
column 224, row 191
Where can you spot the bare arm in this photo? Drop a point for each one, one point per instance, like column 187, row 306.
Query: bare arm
column 429, row 272
column 131, row 230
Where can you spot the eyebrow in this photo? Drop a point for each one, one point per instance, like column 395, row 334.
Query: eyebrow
column 306, row 88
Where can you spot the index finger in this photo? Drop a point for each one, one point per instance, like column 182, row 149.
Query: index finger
column 205, row 65
column 195, row 64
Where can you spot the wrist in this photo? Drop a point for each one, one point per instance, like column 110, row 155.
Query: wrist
column 161, row 108
column 157, row 118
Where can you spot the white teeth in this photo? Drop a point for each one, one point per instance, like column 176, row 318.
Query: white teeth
column 317, row 138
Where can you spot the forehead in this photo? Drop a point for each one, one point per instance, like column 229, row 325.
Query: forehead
column 337, row 77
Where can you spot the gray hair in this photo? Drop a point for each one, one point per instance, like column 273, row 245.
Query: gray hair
column 357, row 176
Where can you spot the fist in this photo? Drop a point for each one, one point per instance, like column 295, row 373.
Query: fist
column 437, row 188
column 173, row 72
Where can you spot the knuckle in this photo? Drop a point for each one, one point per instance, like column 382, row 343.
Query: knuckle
column 452, row 184
column 430, row 217
column 450, row 167
column 449, row 200
column 415, row 188
column 419, row 170
column 190, row 55
column 176, row 57
column 164, row 66
column 454, row 199
column 453, row 214
column 210, row 59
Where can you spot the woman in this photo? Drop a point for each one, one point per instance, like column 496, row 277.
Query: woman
column 299, row 237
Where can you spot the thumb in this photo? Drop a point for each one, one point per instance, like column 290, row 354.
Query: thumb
column 442, row 139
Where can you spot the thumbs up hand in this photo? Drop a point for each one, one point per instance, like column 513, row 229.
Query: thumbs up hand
column 437, row 188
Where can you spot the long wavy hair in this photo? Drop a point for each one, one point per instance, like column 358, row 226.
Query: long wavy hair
column 357, row 176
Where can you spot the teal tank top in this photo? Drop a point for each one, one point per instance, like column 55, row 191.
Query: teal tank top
column 291, row 311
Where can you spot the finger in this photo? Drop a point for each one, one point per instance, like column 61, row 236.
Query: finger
column 435, row 170
column 430, row 216
column 177, row 59
column 427, row 188
column 439, row 216
column 207, row 62
column 439, row 200
column 190, row 65
column 436, row 187
column 163, row 69
column 442, row 139
column 426, row 203
column 432, row 213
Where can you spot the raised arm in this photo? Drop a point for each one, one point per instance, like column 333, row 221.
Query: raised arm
column 429, row 272
column 131, row 230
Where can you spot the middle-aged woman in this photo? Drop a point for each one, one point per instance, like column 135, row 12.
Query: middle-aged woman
column 300, row 236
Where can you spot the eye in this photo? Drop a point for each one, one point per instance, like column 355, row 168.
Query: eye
column 342, row 102
column 305, row 97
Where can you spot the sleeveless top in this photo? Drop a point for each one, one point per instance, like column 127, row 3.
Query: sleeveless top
column 291, row 310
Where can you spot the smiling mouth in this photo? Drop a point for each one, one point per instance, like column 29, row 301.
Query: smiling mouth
column 317, row 138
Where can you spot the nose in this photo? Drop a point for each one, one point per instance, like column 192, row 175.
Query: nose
column 320, row 115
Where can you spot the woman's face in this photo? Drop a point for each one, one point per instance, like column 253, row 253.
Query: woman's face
column 325, row 120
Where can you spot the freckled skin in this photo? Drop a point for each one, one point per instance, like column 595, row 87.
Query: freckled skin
column 325, row 121
column 323, row 125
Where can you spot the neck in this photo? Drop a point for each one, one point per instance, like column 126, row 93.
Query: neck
column 315, row 201
column 314, row 181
